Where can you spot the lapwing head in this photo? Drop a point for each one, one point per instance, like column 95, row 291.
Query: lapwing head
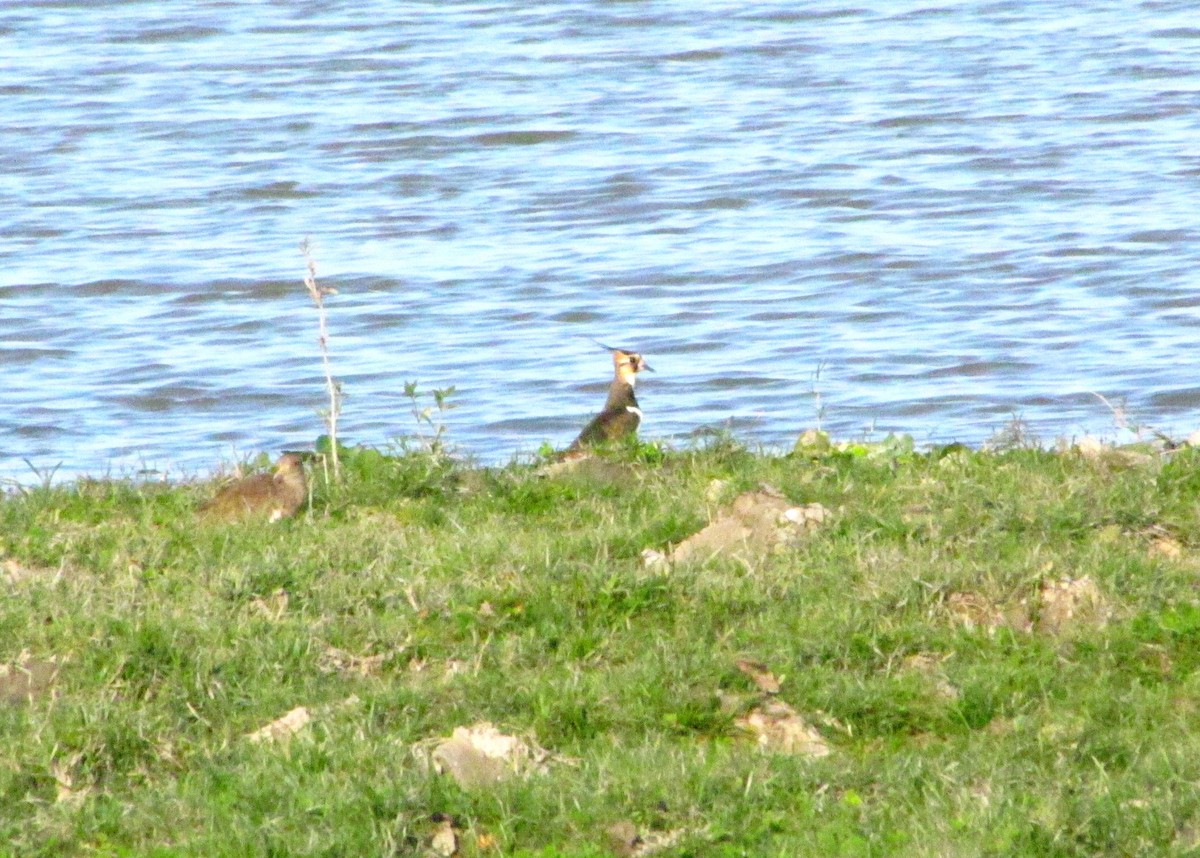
column 290, row 463
column 627, row 364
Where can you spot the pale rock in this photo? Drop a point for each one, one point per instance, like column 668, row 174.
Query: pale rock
column 655, row 561
column 760, row 674
column 1071, row 603
column 282, row 728
column 28, row 679
column 1090, row 448
column 972, row 611
column 780, row 729
column 480, row 755
column 755, row 523
column 444, row 841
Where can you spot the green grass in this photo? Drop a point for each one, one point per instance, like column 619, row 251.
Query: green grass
column 520, row 599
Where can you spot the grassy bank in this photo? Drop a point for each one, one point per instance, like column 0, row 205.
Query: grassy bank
column 965, row 711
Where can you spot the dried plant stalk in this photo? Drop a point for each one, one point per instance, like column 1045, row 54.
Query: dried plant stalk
column 318, row 293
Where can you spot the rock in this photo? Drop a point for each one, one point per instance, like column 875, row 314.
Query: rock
column 929, row 665
column 780, row 729
column 1071, row 603
column 813, row 441
column 1162, row 544
column 971, row 610
column 13, row 573
column 480, row 755
column 623, row 838
column 655, row 560
column 28, row 679
column 282, row 728
column 444, row 841
column 716, row 491
column 755, row 523
column 760, row 674
column 1091, row 448
column 1097, row 451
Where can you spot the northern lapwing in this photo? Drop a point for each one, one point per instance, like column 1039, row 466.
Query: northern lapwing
column 267, row 496
column 620, row 416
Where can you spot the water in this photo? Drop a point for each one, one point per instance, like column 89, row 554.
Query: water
column 955, row 213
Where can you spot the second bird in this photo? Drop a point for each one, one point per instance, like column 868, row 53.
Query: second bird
column 264, row 496
column 620, row 416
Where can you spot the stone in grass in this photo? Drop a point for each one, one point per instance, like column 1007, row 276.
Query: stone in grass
column 1070, row 603
column 755, row 523
column 480, row 755
column 929, row 666
column 282, row 728
column 975, row 611
column 14, row 573
column 813, row 441
column 28, row 679
column 335, row 660
column 294, row 722
column 625, row 840
column 67, row 788
column 779, row 729
column 760, row 674
column 1096, row 450
column 1162, row 543
column 271, row 607
column 444, row 840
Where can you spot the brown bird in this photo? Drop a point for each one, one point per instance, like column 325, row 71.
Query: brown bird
column 266, row 496
column 620, row 416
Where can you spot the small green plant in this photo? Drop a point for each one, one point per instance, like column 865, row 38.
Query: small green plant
column 431, row 428
column 649, row 452
column 1014, row 435
column 718, row 440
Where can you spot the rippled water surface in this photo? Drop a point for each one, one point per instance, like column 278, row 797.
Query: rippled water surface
column 956, row 213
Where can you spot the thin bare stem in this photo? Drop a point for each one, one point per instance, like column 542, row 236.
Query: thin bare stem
column 1120, row 418
column 815, row 391
column 318, row 293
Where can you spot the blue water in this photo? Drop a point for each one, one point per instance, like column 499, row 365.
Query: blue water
column 939, row 217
